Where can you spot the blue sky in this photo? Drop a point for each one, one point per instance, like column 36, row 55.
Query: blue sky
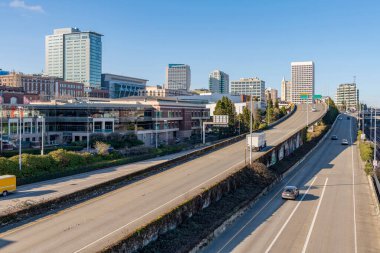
column 244, row 38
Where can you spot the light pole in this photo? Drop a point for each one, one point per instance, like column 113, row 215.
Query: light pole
column 156, row 128
column 250, row 130
column 20, row 130
column 370, row 125
column 1, row 125
column 375, row 144
column 88, row 133
column 307, row 112
column 42, row 133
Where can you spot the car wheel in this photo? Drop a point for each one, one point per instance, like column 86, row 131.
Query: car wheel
column 5, row 193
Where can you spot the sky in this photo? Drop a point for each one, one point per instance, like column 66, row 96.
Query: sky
column 244, row 38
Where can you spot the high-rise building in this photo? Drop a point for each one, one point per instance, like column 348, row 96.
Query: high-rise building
column 178, row 77
column 219, row 82
column 74, row 56
column 347, row 96
column 249, row 86
column 286, row 90
column 271, row 94
column 302, row 81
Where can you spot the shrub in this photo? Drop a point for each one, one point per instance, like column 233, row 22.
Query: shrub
column 262, row 171
column 102, row 148
column 8, row 166
column 34, row 165
column 97, row 137
column 66, row 159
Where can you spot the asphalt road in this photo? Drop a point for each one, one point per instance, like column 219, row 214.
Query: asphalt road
column 91, row 225
column 335, row 211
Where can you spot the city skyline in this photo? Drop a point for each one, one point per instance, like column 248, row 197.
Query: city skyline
column 143, row 45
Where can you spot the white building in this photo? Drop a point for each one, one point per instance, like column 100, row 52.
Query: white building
column 74, row 56
column 249, row 86
column 286, row 90
column 178, row 77
column 302, row 81
column 219, row 82
column 347, row 96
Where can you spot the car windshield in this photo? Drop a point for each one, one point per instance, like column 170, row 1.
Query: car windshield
column 288, row 190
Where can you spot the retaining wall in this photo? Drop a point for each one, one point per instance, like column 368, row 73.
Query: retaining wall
column 170, row 220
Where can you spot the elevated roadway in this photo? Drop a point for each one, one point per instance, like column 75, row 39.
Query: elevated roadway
column 335, row 211
column 91, row 225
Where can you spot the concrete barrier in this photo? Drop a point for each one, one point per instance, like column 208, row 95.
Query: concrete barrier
column 170, row 220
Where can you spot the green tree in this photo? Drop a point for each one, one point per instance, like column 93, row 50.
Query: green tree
column 225, row 106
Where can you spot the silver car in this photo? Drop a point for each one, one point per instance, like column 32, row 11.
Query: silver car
column 290, row 192
column 344, row 142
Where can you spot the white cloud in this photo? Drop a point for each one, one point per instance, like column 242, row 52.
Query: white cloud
column 22, row 5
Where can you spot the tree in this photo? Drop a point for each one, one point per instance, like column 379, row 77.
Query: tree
column 225, row 106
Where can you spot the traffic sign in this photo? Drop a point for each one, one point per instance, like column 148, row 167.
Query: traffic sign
column 304, row 96
column 220, row 119
column 317, row 96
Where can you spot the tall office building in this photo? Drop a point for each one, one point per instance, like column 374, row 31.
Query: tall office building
column 219, row 82
column 271, row 94
column 249, row 86
column 302, row 81
column 74, row 56
column 286, row 90
column 178, row 77
column 347, row 96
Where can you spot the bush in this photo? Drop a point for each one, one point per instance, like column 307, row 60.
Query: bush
column 34, row 165
column 65, row 159
column 8, row 166
column 102, row 148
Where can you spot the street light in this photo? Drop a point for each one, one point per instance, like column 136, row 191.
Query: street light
column 250, row 127
column 20, row 130
column 88, row 133
column 42, row 133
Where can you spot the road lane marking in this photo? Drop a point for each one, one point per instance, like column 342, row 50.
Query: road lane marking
column 153, row 210
column 115, row 191
column 353, row 188
column 259, row 212
column 314, row 218
column 290, row 216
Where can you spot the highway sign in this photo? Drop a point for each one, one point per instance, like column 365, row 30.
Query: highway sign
column 220, row 119
column 304, row 96
column 317, row 96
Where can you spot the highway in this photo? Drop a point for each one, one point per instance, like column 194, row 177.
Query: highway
column 91, row 225
column 335, row 211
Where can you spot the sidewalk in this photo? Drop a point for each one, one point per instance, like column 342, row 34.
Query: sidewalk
column 31, row 194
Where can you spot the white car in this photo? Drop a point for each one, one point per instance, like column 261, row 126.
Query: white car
column 344, row 142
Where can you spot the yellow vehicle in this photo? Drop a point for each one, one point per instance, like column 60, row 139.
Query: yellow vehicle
column 7, row 184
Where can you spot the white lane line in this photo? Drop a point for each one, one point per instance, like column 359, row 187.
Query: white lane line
column 290, row 216
column 353, row 188
column 314, row 218
column 153, row 210
column 258, row 213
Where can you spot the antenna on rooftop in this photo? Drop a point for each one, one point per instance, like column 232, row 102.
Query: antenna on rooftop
column 354, row 79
